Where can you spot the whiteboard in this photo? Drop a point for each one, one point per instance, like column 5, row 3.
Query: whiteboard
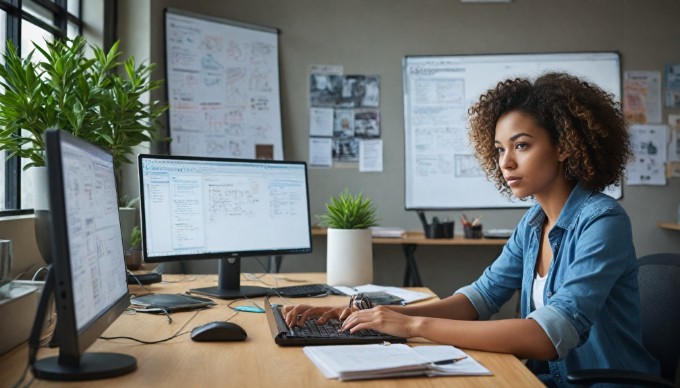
column 222, row 80
column 440, row 167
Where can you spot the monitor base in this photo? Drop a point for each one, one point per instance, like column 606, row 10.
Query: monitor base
column 241, row 292
column 92, row 366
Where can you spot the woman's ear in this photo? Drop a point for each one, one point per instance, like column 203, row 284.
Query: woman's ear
column 562, row 155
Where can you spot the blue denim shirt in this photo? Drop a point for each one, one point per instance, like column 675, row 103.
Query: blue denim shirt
column 591, row 296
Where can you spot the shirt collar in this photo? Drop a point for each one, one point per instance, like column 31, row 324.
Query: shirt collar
column 570, row 212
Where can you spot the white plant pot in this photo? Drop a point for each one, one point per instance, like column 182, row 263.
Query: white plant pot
column 41, row 207
column 128, row 220
column 349, row 257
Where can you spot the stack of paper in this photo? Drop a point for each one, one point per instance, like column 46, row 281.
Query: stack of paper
column 387, row 231
column 360, row 362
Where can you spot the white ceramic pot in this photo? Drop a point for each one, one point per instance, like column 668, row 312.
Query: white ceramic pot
column 128, row 220
column 349, row 257
column 41, row 208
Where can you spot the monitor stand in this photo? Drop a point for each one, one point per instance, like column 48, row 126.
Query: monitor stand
column 229, row 283
column 89, row 366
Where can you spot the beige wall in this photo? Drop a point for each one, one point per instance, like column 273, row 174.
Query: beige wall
column 372, row 37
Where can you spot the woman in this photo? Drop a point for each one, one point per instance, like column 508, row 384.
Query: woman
column 560, row 141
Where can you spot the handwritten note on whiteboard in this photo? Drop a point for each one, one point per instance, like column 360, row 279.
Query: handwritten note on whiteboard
column 223, row 87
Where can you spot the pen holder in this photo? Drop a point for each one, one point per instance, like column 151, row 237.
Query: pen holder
column 439, row 230
column 473, row 231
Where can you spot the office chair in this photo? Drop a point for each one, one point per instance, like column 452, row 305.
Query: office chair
column 659, row 280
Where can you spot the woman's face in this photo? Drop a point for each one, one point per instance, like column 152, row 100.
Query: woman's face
column 529, row 161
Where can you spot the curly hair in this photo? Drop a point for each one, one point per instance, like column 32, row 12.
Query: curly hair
column 581, row 118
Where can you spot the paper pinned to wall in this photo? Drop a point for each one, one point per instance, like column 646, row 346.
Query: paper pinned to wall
column 320, row 151
column 649, row 149
column 642, row 96
column 371, row 155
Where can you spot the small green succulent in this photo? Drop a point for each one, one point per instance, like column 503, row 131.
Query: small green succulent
column 349, row 212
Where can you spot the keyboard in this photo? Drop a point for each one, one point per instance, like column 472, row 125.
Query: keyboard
column 305, row 290
column 330, row 329
column 311, row 333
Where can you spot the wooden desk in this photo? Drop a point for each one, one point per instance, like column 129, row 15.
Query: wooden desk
column 410, row 242
column 256, row 362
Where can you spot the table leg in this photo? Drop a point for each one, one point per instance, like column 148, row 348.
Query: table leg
column 411, row 275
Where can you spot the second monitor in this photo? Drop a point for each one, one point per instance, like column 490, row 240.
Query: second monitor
column 195, row 208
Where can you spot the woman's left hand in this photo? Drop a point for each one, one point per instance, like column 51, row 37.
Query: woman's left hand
column 383, row 320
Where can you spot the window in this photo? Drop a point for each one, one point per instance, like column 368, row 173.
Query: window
column 24, row 22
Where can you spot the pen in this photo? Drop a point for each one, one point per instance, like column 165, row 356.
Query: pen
column 450, row 361
column 475, row 222
column 464, row 220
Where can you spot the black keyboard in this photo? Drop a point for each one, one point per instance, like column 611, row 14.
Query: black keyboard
column 305, row 290
column 330, row 329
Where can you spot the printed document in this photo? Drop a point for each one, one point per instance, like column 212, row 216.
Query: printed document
column 360, row 362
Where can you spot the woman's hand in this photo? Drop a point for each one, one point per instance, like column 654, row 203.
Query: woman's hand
column 383, row 320
column 298, row 315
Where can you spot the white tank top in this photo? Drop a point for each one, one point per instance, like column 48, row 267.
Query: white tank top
column 537, row 291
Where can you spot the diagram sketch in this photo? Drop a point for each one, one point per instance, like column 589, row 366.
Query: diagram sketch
column 223, row 87
column 441, row 171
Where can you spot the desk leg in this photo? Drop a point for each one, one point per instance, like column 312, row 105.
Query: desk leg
column 411, row 276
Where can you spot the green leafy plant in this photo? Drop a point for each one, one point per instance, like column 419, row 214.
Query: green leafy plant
column 348, row 211
column 128, row 201
column 84, row 96
column 136, row 238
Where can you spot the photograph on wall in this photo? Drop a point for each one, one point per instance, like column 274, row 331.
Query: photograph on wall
column 325, row 89
column 672, row 86
column 354, row 100
column 367, row 123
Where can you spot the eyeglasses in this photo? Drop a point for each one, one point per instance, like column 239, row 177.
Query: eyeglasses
column 360, row 301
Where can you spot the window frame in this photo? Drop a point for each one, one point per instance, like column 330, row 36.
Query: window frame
column 16, row 13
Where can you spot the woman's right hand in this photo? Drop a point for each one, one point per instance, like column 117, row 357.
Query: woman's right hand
column 298, row 315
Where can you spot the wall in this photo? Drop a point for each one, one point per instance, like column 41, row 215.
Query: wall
column 372, row 37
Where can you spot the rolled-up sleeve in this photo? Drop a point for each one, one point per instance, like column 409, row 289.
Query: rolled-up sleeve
column 559, row 329
column 501, row 279
column 484, row 310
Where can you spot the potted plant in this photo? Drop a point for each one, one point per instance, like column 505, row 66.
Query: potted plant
column 127, row 210
column 133, row 256
column 84, row 96
column 349, row 256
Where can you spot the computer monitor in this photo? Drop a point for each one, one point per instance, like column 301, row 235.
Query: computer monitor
column 195, row 208
column 87, row 275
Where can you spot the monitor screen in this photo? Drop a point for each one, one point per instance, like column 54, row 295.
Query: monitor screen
column 88, row 264
column 195, row 208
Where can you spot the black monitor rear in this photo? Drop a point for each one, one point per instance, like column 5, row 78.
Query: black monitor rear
column 196, row 208
column 87, row 275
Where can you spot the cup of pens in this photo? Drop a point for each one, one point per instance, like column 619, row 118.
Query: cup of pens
column 471, row 229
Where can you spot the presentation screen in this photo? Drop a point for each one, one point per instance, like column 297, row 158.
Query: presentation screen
column 441, row 170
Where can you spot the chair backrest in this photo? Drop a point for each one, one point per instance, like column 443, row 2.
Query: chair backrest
column 659, row 280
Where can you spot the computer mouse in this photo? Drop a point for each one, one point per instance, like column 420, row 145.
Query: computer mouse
column 219, row 331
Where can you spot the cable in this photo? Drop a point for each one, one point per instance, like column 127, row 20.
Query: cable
column 138, row 282
column 177, row 333
column 21, row 379
column 37, row 272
